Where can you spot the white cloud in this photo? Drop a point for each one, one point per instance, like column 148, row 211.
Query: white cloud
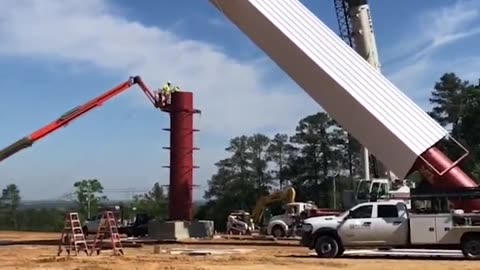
column 235, row 97
column 437, row 28
column 91, row 33
column 418, row 60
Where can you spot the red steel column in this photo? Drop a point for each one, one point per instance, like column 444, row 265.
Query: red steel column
column 453, row 179
column 180, row 200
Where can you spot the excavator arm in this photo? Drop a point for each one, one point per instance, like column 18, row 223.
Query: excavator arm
column 75, row 113
column 283, row 196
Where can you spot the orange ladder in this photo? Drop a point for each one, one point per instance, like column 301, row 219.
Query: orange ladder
column 72, row 235
column 107, row 227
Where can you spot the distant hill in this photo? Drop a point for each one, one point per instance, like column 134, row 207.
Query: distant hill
column 49, row 204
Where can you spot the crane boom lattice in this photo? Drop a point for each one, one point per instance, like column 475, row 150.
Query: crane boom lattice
column 344, row 23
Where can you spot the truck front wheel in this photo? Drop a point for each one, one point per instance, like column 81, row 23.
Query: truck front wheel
column 471, row 247
column 327, row 246
column 278, row 231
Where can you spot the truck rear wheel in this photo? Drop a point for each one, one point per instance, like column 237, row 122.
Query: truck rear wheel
column 327, row 246
column 471, row 247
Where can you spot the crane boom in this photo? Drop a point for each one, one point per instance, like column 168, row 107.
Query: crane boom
column 344, row 23
column 356, row 29
column 75, row 113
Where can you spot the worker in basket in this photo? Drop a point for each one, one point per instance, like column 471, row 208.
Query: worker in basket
column 165, row 93
column 172, row 90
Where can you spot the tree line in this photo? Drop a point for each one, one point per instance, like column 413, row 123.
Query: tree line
column 321, row 152
column 88, row 200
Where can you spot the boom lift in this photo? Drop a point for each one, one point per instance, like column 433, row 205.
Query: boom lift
column 75, row 113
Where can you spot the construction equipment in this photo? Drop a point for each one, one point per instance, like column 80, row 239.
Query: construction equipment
column 72, row 235
column 107, row 229
column 76, row 112
column 382, row 189
column 384, row 120
column 139, row 228
column 282, row 196
column 356, row 29
column 285, row 224
column 431, row 224
column 240, row 222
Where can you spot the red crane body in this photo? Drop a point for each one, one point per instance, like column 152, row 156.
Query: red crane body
column 75, row 113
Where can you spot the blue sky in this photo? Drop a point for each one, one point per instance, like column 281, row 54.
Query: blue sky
column 55, row 55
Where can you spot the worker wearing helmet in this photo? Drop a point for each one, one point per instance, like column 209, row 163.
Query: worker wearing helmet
column 165, row 93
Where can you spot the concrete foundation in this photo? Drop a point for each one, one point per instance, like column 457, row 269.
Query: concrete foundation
column 202, row 229
column 168, row 230
column 180, row 230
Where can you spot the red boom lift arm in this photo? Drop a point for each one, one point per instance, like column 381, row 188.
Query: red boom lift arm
column 76, row 112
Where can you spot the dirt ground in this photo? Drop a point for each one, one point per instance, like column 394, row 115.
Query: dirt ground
column 257, row 257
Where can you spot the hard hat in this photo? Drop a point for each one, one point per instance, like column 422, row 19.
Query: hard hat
column 169, row 82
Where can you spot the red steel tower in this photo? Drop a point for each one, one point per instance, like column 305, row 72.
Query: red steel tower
column 181, row 156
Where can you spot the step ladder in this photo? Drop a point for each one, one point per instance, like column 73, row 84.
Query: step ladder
column 107, row 229
column 72, row 235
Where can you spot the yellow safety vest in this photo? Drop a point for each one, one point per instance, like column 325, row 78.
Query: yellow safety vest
column 166, row 89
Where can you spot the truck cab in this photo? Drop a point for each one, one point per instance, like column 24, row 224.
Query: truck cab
column 369, row 224
column 90, row 225
column 285, row 224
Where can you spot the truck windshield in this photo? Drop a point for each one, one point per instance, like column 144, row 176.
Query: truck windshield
column 363, row 189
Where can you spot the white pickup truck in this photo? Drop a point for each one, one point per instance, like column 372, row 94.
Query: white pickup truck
column 390, row 224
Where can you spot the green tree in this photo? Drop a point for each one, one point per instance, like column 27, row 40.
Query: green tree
column 314, row 141
column 10, row 200
column 257, row 149
column 240, row 179
column 456, row 106
column 280, row 151
column 153, row 202
column 88, row 194
column 447, row 99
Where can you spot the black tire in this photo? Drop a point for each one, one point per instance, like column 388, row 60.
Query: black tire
column 471, row 247
column 278, row 231
column 327, row 246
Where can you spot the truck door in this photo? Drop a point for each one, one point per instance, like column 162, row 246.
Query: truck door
column 357, row 228
column 391, row 224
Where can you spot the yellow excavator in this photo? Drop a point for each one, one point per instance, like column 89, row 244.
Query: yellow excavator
column 246, row 223
column 285, row 196
column 282, row 225
column 287, row 223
